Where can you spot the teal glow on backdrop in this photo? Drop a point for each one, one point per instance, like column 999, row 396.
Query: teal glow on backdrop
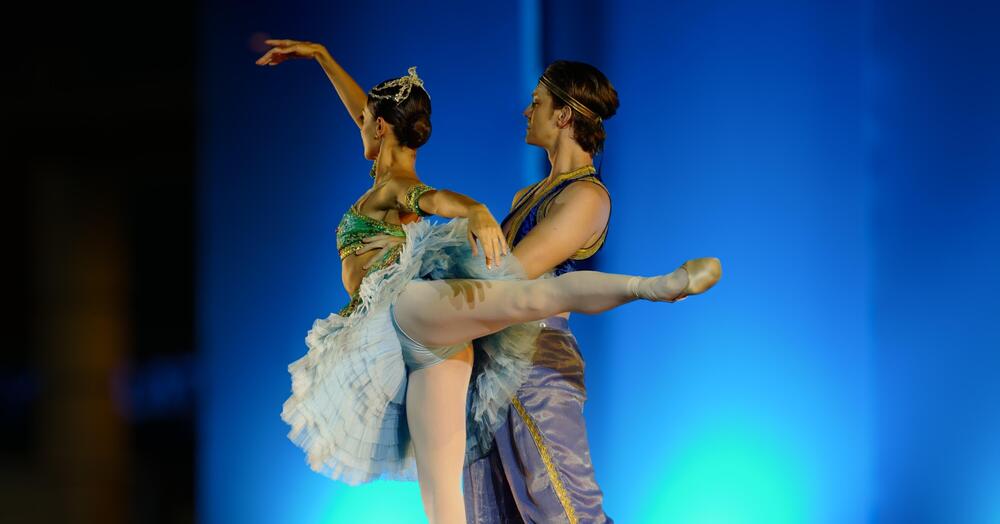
column 843, row 159
column 750, row 404
column 729, row 473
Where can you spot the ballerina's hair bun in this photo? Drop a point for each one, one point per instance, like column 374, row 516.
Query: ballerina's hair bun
column 404, row 103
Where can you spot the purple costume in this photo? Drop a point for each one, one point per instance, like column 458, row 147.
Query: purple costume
column 539, row 468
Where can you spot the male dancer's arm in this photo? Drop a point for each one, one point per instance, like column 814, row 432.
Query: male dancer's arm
column 577, row 215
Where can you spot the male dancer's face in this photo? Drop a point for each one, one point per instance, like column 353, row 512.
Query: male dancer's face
column 543, row 119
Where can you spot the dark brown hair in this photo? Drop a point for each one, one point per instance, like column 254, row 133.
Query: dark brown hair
column 410, row 118
column 590, row 87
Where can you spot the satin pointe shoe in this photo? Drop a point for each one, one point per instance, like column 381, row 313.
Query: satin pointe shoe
column 702, row 274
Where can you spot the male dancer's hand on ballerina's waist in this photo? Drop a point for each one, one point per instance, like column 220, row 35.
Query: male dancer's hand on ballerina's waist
column 380, row 243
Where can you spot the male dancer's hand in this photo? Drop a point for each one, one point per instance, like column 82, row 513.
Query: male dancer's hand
column 379, row 242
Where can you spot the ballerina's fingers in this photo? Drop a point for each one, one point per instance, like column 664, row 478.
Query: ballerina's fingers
column 265, row 58
column 494, row 244
column 497, row 250
column 285, row 49
column 282, row 42
column 502, row 239
column 280, row 54
column 489, row 250
column 472, row 243
column 275, row 56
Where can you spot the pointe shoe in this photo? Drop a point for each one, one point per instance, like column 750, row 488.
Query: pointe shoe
column 702, row 274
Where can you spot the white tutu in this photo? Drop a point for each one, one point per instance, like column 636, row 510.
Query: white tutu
column 347, row 408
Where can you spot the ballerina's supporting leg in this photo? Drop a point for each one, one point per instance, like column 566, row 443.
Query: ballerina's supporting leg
column 435, row 401
column 447, row 312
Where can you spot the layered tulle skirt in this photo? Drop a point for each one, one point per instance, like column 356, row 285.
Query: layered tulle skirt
column 347, row 410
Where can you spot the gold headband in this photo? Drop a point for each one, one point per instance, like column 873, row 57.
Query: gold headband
column 570, row 101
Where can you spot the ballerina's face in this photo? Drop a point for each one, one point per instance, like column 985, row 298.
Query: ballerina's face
column 371, row 131
column 543, row 128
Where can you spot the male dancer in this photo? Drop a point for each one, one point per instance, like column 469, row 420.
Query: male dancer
column 539, row 469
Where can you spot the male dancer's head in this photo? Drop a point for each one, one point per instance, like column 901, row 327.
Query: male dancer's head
column 568, row 109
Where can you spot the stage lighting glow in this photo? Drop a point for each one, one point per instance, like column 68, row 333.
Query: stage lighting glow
column 384, row 501
column 727, row 476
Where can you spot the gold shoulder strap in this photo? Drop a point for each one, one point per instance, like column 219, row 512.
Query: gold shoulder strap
column 588, row 251
column 539, row 192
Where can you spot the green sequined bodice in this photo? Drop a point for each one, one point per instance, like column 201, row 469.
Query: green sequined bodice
column 354, row 227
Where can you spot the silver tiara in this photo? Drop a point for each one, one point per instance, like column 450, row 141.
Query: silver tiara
column 404, row 83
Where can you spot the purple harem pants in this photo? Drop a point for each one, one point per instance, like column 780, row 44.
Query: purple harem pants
column 539, row 469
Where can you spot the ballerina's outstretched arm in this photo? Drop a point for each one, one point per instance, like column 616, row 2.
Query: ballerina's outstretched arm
column 351, row 94
column 396, row 194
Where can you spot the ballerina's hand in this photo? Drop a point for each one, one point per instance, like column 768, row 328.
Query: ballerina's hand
column 484, row 227
column 379, row 242
column 284, row 49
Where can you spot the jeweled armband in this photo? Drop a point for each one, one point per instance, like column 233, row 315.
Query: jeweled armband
column 413, row 195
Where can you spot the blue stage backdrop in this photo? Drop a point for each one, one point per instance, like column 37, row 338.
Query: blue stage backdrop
column 842, row 159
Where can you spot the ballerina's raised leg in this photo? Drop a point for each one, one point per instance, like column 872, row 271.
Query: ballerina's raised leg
column 446, row 312
column 438, row 313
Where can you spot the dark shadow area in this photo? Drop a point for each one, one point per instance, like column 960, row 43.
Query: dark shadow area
column 97, row 381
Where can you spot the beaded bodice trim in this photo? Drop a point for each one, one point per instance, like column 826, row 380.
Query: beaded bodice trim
column 354, row 227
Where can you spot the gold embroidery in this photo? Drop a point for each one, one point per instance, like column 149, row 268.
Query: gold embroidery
column 587, row 251
column 350, row 237
column 349, row 250
column 351, row 306
column 390, row 257
column 413, row 195
column 554, row 478
column 536, row 194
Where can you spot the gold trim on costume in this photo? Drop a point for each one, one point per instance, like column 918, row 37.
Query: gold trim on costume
column 390, row 257
column 550, row 466
column 540, row 191
column 587, row 251
column 413, row 195
column 387, row 228
column 534, row 195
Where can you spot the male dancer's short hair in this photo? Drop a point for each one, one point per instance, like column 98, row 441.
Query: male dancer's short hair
column 586, row 90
